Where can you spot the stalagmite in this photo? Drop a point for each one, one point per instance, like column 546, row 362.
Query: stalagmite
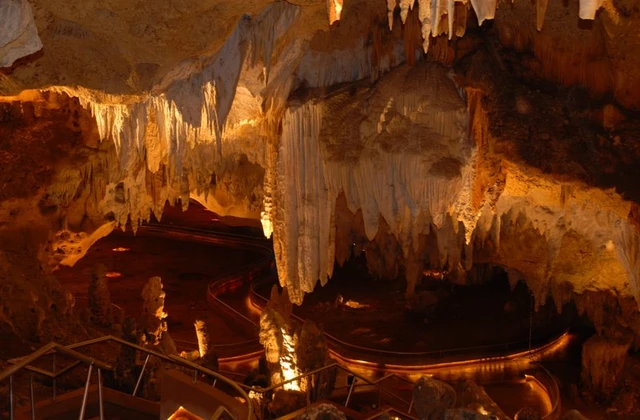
column 99, row 297
column 202, row 335
column 153, row 315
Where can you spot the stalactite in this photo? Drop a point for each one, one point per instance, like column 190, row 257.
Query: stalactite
column 411, row 34
column 432, row 12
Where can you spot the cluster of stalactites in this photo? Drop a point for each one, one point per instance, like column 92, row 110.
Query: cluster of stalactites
column 432, row 12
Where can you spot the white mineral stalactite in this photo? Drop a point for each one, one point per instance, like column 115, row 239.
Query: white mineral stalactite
column 541, row 11
column 184, row 118
column 391, row 7
column 431, row 13
column 485, row 9
column 304, row 209
column 402, row 186
column 588, row 8
column 425, row 17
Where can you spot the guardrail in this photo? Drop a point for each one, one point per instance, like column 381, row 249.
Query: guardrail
column 353, row 384
column 254, row 274
column 259, row 300
column 549, row 383
column 262, row 266
column 54, row 348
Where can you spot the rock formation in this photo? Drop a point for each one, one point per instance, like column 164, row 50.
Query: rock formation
column 153, row 326
column 99, row 297
column 432, row 398
column 18, row 35
column 313, row 353
column 603, row 362
column 292, row 350
column 208, row 356
column 277, row 336
column 510, row 143
column 471, row 396
column 324, row 412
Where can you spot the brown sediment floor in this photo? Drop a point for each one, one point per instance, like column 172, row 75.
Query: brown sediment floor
column 466, row 317
column 186, row 269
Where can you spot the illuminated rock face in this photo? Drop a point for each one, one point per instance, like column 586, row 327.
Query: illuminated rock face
column 323, row 134
column 18, row 34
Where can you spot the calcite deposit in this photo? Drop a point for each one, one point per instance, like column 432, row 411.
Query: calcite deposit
column 431, row 135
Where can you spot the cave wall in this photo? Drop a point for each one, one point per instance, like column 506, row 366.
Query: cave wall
column 382, row 129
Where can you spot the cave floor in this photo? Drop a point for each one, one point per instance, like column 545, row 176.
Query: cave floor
column 469, row 317
column 186, row 269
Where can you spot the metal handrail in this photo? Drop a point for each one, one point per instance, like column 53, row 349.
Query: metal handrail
column 375, row 384
column 26, row 360
column 440, row 353
column 555, row 392
column 261, row 245
column 48, row 349
column 69, row 351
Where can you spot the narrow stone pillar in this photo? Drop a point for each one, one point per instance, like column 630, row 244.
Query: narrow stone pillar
column 153, row 314
column 99, row 297
column 203, row 337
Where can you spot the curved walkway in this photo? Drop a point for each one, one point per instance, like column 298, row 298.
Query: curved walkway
column 262, row 271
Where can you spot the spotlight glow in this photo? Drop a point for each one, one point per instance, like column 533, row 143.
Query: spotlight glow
column 288, row 362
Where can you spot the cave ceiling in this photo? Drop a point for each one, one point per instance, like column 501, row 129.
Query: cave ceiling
column 427, row 133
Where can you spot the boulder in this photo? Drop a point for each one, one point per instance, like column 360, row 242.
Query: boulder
column 465, row 414
column 573, row 415
column 322, row 412
column 432, row 398
column 474, row 397
column 287, row 401
column 528, row 413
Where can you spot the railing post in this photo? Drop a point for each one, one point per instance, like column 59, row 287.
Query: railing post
column 214, row 382
column 11, row 397
column 83, row 408
column 53, row 382
column 144, row 366
column 31, row 397
column 100, row 402
column 195, row 376
column 350, row 390
column 410, row 405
